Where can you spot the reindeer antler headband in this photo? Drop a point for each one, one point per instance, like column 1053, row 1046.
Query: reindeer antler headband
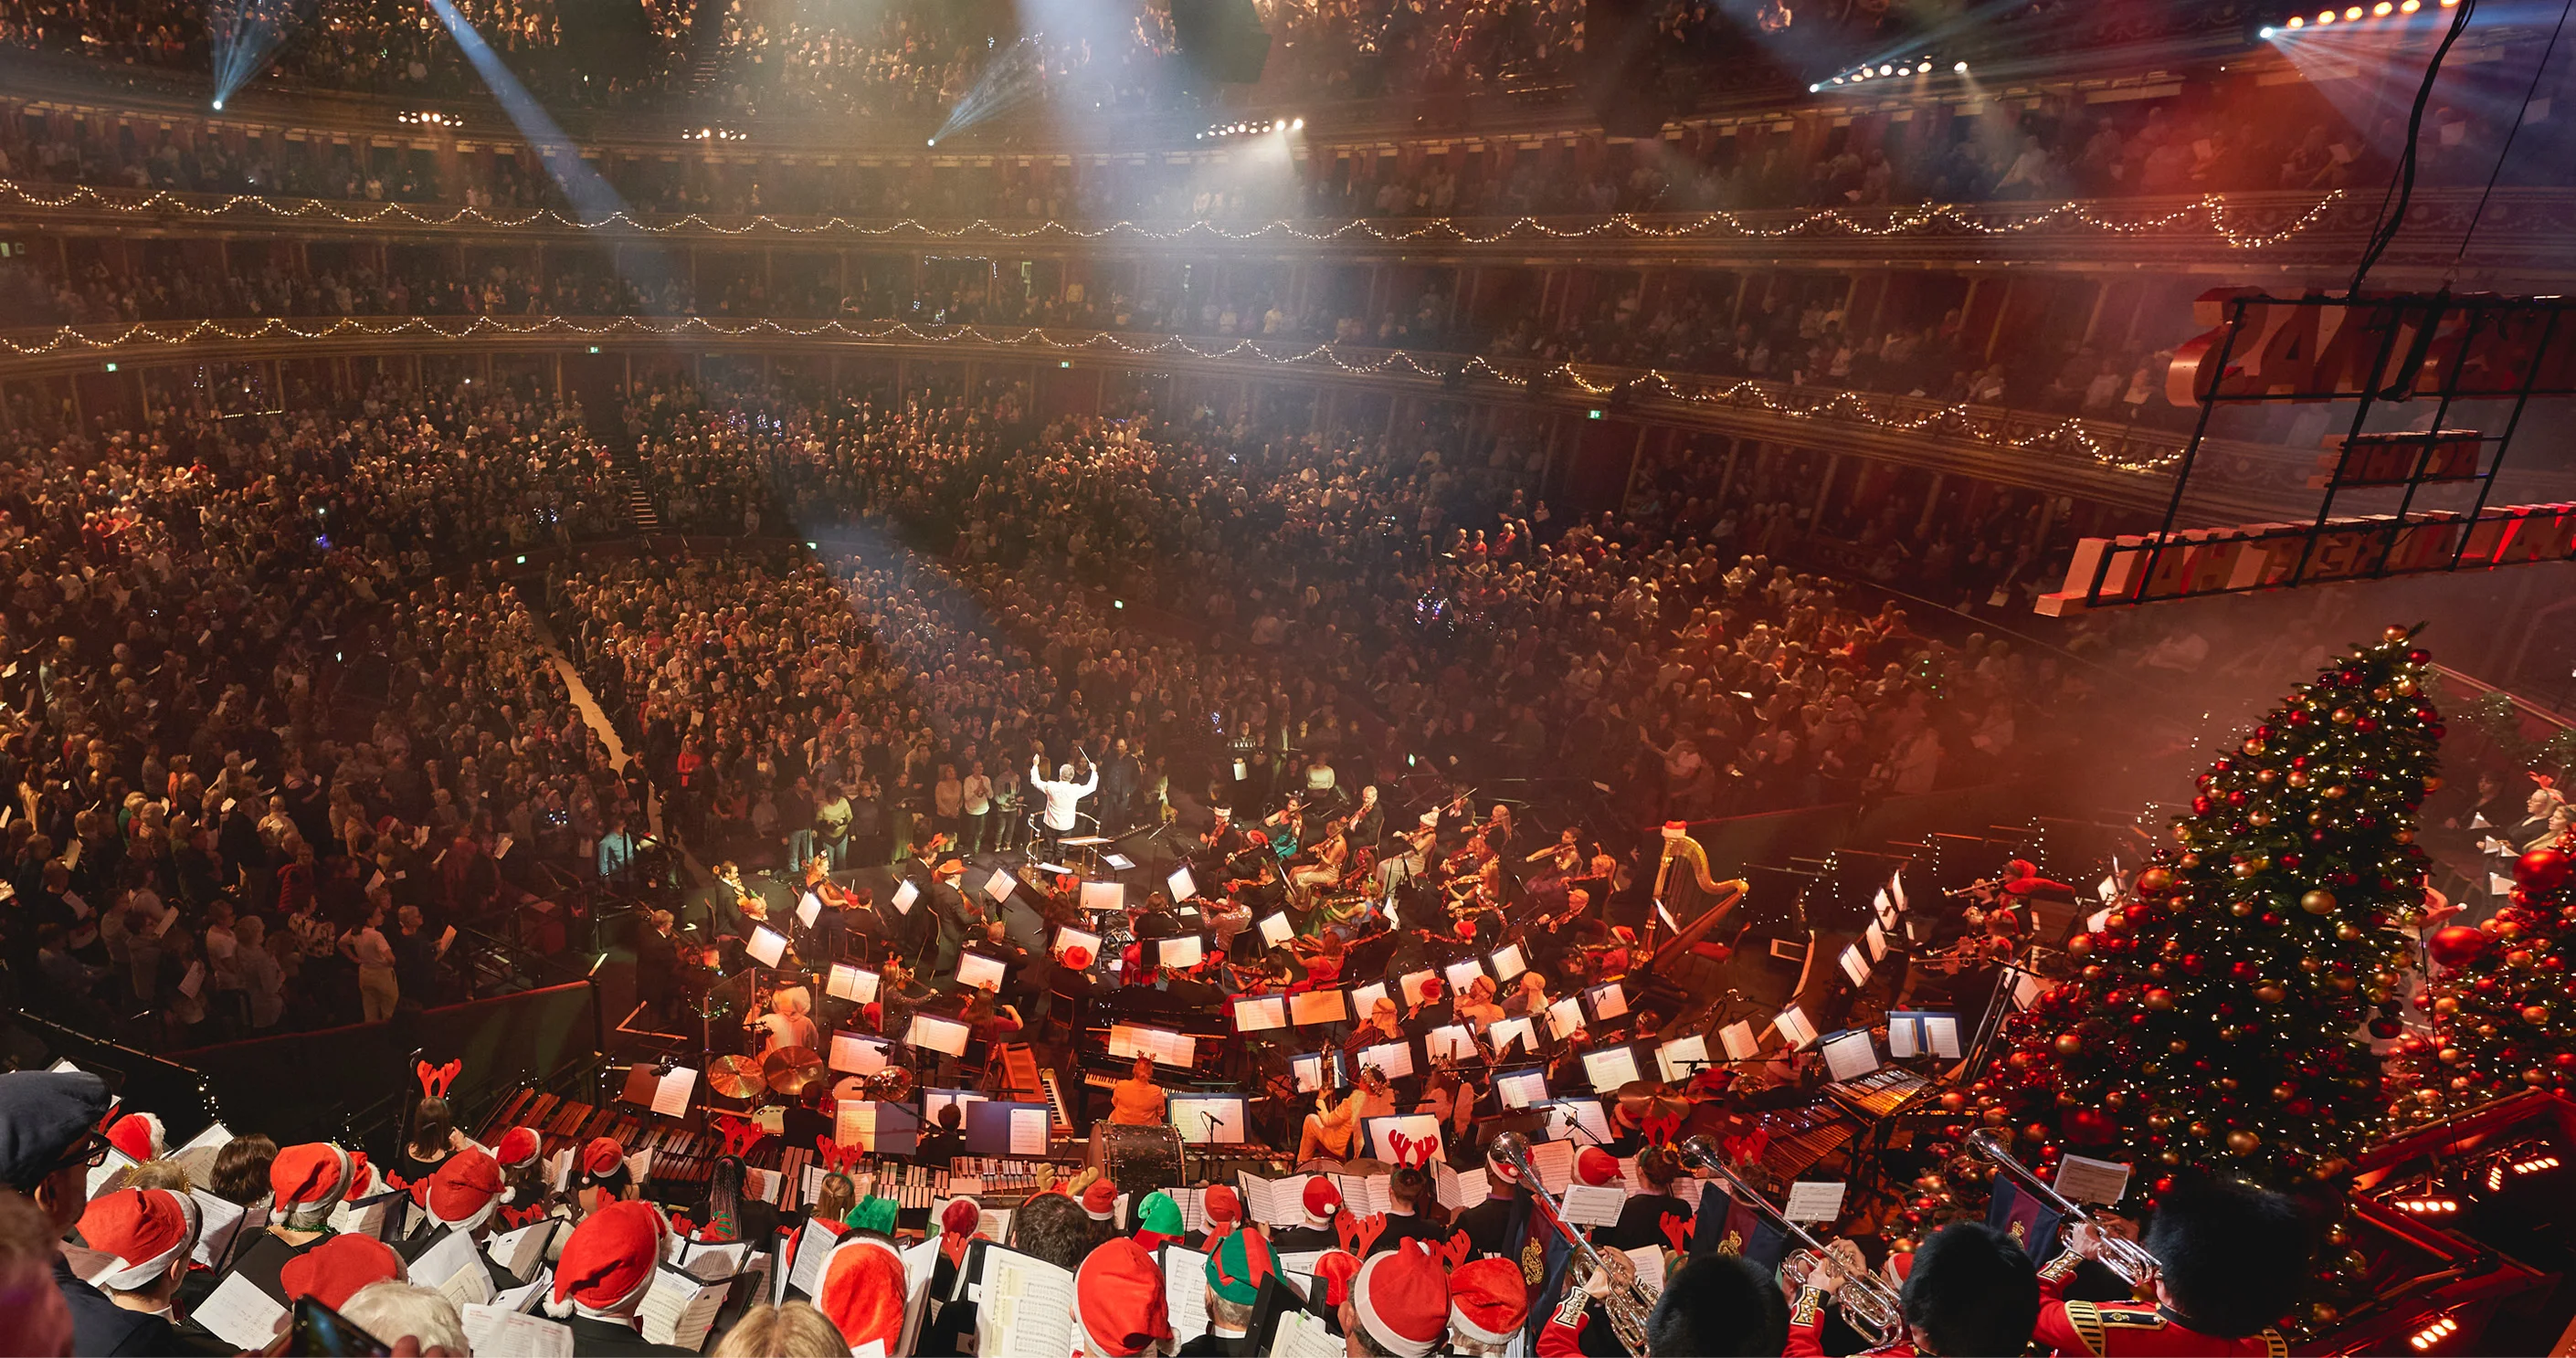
column 436, row 1081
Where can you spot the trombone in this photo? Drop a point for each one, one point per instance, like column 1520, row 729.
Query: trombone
column 1630, row 1301
column 2120, row 1254
column 1872, row 1307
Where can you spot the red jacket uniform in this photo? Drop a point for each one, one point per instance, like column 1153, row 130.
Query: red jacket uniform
column 2087, row 1329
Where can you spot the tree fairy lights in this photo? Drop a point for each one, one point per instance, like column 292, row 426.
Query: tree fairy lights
column 2217, row 1024
column 2504, row 1005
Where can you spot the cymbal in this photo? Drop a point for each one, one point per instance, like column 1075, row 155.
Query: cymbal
column 735, row 1077
column 851, row 1087
column 788, row 1068
column 1651, row 1098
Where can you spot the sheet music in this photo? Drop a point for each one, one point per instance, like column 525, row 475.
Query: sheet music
column 1364, row 1194
column 1364, row 999
column 1276, row 930
column 813, row 1251
column 1260, row 1013
column 519, row 1252
column 710, row 1263
column 1876, row 935
column 1521, row 1088
column 1683, row 1057
column 1589, row 1126
column 1104, row 896
column 1564, row 1018
column 671, row 1092
column 1941, row 1034
column 1278, row 1203
column 1458, row 1188
column 1185, row 1292
column 1028, row 1131
column 109, row 1174
column 220, row 1222
column 1508, row 964
column 1410, row 985
column 853, row 1054
column 767, row 946
column 1648, row 1259
column 1855, row 966
column 1461, row 975
column 1452, row 1042
column 494, row 1332
column 1422, row 1127
column 905, row 893
column 454, row 1268
column 934, row 1100
column 240, row 1314
column 1850, row 1056
column 1303, row 1334
column 1794, row 1028
column 937, row 1034
column 2081, row 1178
column 1739, row 1041
column 1183, row 952
column 999, row 885
column 1166, row 1047
column 919, row 1262
column 1554, row 1161
column 1070, row 937
column 1610, row 1068
column 1904, row 1037
column 1586, row 1205
column 679, row 1308
column 1309, row 1007
column 978, row 972
column 858, row 985
column 1812, row 1200
column 1309, row 1070
column 1608, row 1001
column 1025, row 1306
column 1181, row 884
column 809, row 908
column 1521, row 1032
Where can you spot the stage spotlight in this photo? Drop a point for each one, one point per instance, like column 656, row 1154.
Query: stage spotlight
column 1299, row 124
column 1961, row 68
column 2409, row 6
column 1887, row 70
column 2264, row 32
column 1811, row 89
column 932, row 142
column 2383, row 9
column 219, row 106
column 2297, row 21
column 2325, row 16
column 2353, row 13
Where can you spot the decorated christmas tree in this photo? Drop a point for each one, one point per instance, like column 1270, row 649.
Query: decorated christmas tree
column 2217, row 1020
column 2503, row 999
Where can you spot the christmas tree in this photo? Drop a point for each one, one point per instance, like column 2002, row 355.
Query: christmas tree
column 2504, row 1003
column 2217, row 1020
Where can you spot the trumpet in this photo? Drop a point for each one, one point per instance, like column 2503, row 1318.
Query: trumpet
column 1867, row 1301
column 1630, row 1301
column 2120, row 1254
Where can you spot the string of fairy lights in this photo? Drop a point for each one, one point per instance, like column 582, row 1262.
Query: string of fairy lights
column 1955, row 420
column 2210, row 210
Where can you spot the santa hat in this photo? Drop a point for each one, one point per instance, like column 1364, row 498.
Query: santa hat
column 1464, row 929
column 138, row 1233
column 1488, row 1301
column 601, row 1159
column 1498, row 1167
column 333, row 1271
column 1334, row 1270
column 463, row 1191
column 1323, row 1199
column 1223, row 1210
column 1237, row 1265
column 956, row 1225
column 517, row 1147
column 308, row 1181
column 1119, row 1294
column 608, row 1261
column 139, row 1135
column 363, row 1178
column 863, row 1292
column 1433, row 987
column 1597, row 1167
column 1403, row 1300
column 1100, row 1201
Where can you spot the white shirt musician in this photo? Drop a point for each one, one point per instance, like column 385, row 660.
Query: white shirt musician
column 1060, row 793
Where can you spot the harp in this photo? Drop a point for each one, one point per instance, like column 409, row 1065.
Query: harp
column 1694, row 901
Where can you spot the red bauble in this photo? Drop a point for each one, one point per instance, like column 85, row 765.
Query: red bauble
column 2542, row 870
column 2090, row 1127
column 2457, row 945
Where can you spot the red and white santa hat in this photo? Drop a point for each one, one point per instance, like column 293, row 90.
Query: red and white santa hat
column 1119, row 1294
column 608, row 1261
column 139, row 1135
column 1223, row 1209
column 463, row 1192
column 1488, row 1301
column 517, row 1146
column 308, row 1181
column 1323, row 1199
column 1334, row 1269
column 1499, row 1168
column 863, row 1292
column 138, row 1233
column 1597, row 1167
column 333, row 1271
column 1402, row 1298
column 602, row 1158
column 1100, row 1200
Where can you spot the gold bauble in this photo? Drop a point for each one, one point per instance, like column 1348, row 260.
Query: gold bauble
column 2242, row 1142
column 2318, row 902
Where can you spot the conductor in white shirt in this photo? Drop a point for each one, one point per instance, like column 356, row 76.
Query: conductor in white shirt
column 1061, row 792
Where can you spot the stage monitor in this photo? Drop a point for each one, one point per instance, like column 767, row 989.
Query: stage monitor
column 1207, row 1119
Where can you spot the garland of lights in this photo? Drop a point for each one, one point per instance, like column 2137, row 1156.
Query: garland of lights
column 1927, row 219
column 1747, row 393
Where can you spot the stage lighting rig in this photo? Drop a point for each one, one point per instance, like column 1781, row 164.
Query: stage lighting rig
column 1883, row 70
column 1253, row 127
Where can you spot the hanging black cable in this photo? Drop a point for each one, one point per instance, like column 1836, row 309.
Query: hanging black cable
column 2392, row 217
column 2521, row 116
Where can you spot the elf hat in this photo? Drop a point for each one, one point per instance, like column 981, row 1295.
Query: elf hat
column 1488, row 1301
column 1119, row 1292
column 139, row 1233
column 1159, row 1214
column 608, row 1261
column 1403, row 1300
column 1237, row 1265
